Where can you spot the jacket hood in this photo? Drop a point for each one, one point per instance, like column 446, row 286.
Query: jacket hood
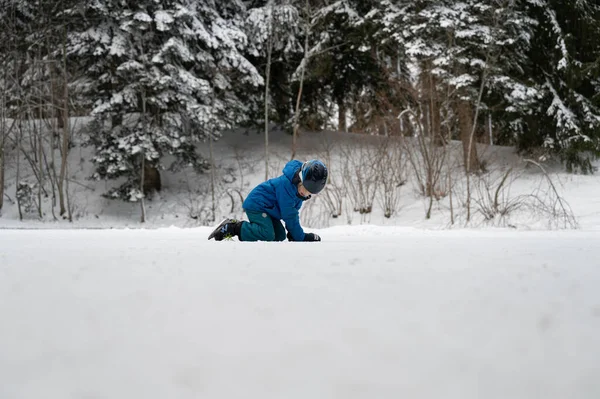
column 290, row 170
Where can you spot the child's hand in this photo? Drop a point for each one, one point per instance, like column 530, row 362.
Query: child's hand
column 311, row 237
column 307, row 237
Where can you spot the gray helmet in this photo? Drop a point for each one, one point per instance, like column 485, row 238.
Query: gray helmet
column 314, row 176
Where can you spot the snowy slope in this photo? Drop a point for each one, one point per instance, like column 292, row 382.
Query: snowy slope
column 370, row 312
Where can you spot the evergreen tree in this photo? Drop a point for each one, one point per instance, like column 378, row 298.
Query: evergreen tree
column 31, row 37
column 467, row 57
column 275, row 26
column 564, row 68
column 348, row 62
column 165, row 75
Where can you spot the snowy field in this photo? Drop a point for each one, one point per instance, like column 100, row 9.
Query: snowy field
column 400, row 307
column 370, row 312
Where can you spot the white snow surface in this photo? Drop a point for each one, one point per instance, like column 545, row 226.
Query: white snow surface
column 400, row 307
column 369, row 312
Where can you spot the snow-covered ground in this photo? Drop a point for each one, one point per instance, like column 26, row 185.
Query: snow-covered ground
column 382, row 308
column 370, row 312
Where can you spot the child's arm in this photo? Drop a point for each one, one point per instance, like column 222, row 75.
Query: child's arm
column 289, row 213
column 291, row 217
column 286, row 197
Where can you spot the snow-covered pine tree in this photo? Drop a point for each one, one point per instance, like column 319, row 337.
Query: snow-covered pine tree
column 389, row 19
column 489, row 44
column 272, row 29
column 461, row 53
column 30, row 45
column 165, row 75
column 276, row 25
column 564, row 67
column 349, row 64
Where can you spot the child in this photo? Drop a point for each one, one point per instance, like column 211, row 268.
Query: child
column 276, row 199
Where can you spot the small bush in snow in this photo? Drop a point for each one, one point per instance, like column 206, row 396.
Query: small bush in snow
column 26, row 196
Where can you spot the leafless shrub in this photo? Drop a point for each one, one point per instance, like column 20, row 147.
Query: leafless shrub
column 236, row 199
column 199, row 208
column 493, row 197
column 77, row 197
column 197, row 201
column 224, row 194
column 361, row 172
column 194, row 203
column 335, row 190
column 495, row 202
column 548, row 202
column 333, row 197
column 393, row 165
column 426, row 157
column 26, row 196
column 244, row 162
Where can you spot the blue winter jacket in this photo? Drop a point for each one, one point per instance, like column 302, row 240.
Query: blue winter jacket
column 279, row 198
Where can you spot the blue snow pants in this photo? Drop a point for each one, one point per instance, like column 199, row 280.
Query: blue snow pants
column 262, row 227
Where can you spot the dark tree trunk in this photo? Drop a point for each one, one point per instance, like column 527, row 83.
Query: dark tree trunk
column 465, row 116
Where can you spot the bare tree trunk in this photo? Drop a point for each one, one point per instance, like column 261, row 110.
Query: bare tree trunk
column 19, row 139
column 450, row 196
column 143, row 166
column 51, row 172
column 68, row 197
column 267, row 81
column 143, row 172
column 36, row 140
column 212, row 176
column 473, row 164
column 383, row 129
column 2, row 171
column 65, row 141
column 465, row 116
column 342, row 117
column 302, row 71
column 466, row 121
column 434, row 109
column 2, row 141
column 449, row 171
column 61, row 113
column 490, row 132
column 2, row 166
column 424, row 104
column 53, row 132
column 63, row 172
column 41, row 176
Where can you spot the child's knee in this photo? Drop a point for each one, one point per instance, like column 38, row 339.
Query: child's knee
column 264, row 233
column 268, row 235
column 280, row 236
